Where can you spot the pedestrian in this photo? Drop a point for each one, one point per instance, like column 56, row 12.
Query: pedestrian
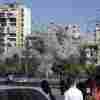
column 73, row 93
column 82, row 87
column 62, row 86
column 90, row 88
column 47, row 90
column 97, row 94
column 97, row 90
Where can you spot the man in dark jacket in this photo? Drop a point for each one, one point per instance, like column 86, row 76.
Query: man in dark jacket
column 46, row 88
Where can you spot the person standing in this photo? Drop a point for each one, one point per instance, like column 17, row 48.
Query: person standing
column 97, row 90
column 73, row 93
column 62, row 87
column 47, row 90
column 82, row 87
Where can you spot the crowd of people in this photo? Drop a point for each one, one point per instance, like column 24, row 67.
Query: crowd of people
column 73, row 89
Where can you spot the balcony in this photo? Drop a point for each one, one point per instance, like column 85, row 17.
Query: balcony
column 12, row 35
column 1, row 39
column 2, row 14
column 11, row 15
column 2, row 35
column 12, row 29
column 13, row 23
column 2, row 44
column 97, row 28
column 3, row 20
column 3, row 24
column 2, row 50
column 11, row 38
column 12, row 19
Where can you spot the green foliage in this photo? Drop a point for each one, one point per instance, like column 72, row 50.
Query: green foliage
column 72, row 68
column 9, row 68
column 78, row 68
column 90, row 68
column 2, row 68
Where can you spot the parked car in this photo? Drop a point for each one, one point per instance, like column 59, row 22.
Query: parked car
column 21, row 93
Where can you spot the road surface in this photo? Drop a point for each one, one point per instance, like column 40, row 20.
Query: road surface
column 2, row 87
column 59, row 97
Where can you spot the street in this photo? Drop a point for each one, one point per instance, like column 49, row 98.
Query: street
column 59, row 97
column 14, row 87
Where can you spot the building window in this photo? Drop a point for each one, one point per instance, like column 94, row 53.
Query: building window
column 12, row 19
column 12, row 35
column 22, row 10
column 22, row 24
column 1, row 50
column 2, row 40
column 22, row 19
column 13, row 24
column 2, row 44
column 9, row 14
column 73, row 31
column 3, row 24
column 66, row 28
column 3, row 20
column 11, row 5
column 12, row 39
column 2, row 14
column 74, row 26
column 9, row 45
column 2, row 35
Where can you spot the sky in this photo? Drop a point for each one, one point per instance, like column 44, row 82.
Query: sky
column 62, row 11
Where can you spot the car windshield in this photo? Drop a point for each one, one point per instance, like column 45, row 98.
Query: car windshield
column 21, row 94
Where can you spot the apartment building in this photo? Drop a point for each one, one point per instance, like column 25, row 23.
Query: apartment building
column 23, row 25
column 15, row 24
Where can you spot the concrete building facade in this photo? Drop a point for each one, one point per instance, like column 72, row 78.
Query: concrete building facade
column 23, row 25
column 15, row 24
